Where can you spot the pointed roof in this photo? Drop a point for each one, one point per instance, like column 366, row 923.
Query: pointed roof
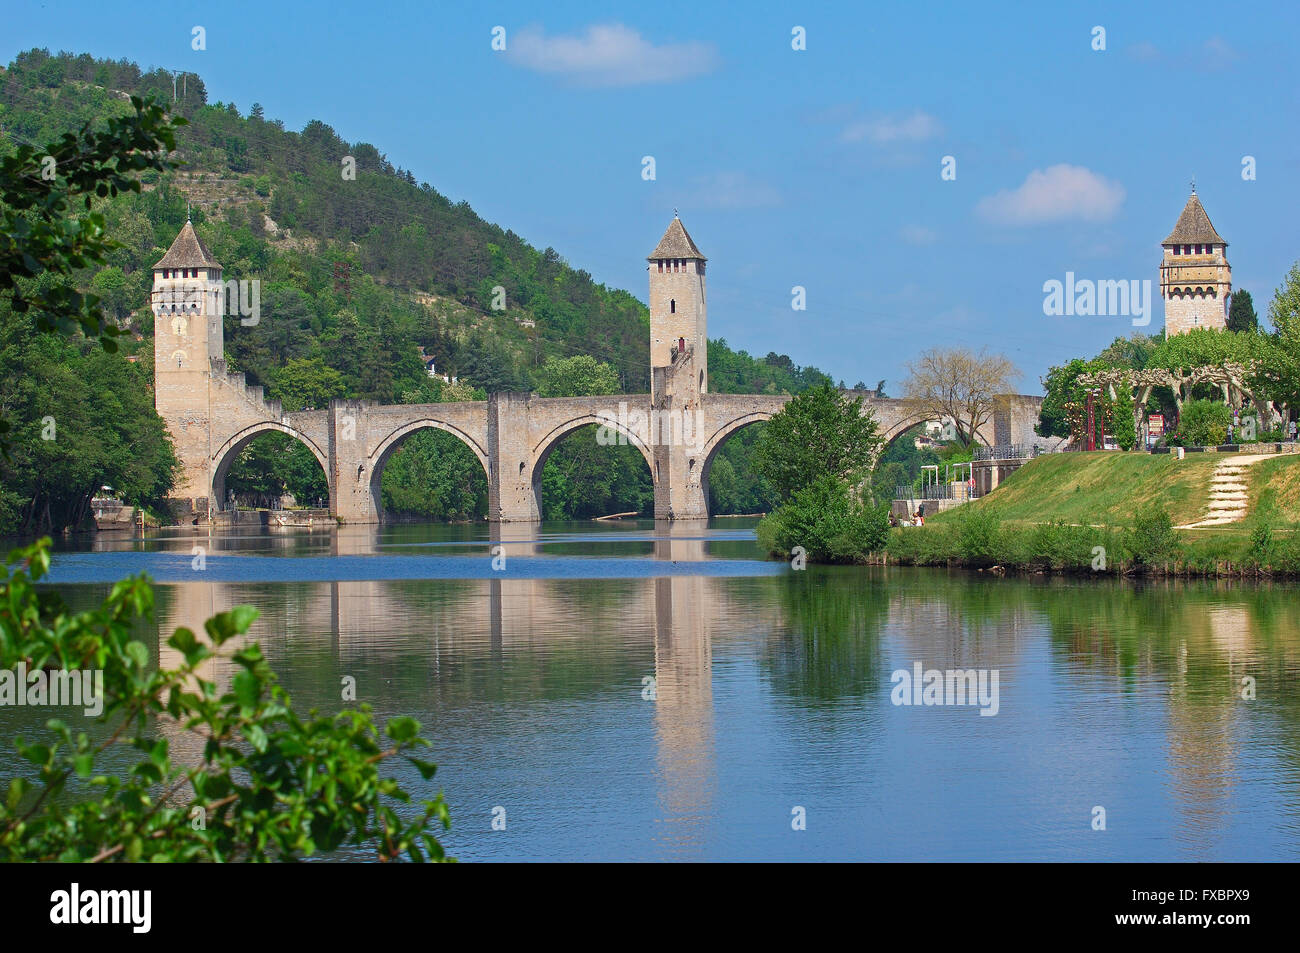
column 1193, row 226
column 187, row 251
column 676, row 244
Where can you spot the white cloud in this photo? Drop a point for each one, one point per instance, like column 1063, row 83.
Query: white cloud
column 730, row 190
column 609, row 55
column 887, row 129
column 1213, row 55
column 1144, row 51
column 1057, row 194
column 918, row 235
column 1219, row 54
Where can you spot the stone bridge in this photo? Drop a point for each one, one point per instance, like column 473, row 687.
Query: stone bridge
column 678, row 428
column 513, row 434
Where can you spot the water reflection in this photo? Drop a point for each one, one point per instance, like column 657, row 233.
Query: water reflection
column 771, row 690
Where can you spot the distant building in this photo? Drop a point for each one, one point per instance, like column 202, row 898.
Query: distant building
column 1195, row 277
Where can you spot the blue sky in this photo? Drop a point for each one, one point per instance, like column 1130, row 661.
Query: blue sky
column 819, row 167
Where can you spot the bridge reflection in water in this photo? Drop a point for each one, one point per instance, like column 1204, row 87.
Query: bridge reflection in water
column 513, row 614
column 1111, row 694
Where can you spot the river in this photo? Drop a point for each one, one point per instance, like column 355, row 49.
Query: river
column 636, row 691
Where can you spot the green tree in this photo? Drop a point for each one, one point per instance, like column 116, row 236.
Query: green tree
column 306, row 384
column 82, row 418
column 818, row 433
column 829, row 521
column 578, row 376
column 38, row 234
column 1204, row 423
column 1123, row 426
column 1241, row 312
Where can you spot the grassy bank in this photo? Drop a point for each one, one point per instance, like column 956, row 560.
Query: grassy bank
column 1101, row 488
column 1115, row 513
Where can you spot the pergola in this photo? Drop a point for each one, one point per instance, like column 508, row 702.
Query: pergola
column 1231, row 377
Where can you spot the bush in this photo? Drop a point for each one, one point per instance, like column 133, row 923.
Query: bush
column 1152, row 541
column 977, row 536
column 1263, row 541
column 1203, row 423
column 1060, row 546
column 829, row 523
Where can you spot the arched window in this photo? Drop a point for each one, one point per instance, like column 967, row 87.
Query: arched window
column 672, row 306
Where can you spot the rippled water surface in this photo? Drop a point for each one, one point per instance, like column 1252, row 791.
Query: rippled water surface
column 771, row 691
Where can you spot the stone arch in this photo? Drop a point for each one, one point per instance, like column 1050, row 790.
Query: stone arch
column 542, row 451
column 721, row 436
column 389, row 445
column 897, row 429
column 230, row 450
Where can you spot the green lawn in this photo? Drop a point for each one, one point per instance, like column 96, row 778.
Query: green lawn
column 1102, row 488
column 1108, row 488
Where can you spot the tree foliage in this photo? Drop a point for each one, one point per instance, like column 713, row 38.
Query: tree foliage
column 829, row 521
column 81, row 418
column 820, row 432
column 269, row 784
column 1203, row 423
column 1241, row 312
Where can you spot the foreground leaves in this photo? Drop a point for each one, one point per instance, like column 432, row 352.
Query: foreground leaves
column 269, row 784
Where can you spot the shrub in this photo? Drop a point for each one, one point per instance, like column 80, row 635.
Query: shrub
column 271, row 783
column 1060, row 546
column 977, row 536
column 1152, row 540
column 1263, row 541
column 828, row 521
column 1203, row 423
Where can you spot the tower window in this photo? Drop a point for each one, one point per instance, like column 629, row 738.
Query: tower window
column 672, row 306
column 1175, row 249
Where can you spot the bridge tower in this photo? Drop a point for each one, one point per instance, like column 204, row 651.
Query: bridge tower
column 678, row 318
column 186, row 303
column 679, row 373
column 1195, row 277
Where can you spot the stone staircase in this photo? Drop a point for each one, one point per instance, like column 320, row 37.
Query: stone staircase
column 1229, row 499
